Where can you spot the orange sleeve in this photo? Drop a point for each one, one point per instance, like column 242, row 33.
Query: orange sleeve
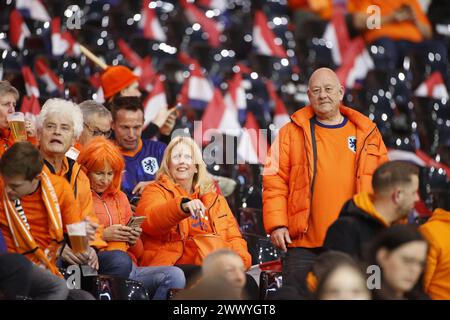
column 162, row 213
column 70, row 210
column 276, row 182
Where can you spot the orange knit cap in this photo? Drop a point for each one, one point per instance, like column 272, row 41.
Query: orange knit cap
column 115, row 79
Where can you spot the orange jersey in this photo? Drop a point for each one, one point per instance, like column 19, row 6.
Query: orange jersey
column 336, row 148
column 405, row 30
column 36, row 212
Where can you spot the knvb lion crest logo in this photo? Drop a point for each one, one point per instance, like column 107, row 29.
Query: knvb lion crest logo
column 351, row 143
column 150, row 165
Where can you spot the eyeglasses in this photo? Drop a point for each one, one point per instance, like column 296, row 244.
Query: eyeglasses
column 96, row 132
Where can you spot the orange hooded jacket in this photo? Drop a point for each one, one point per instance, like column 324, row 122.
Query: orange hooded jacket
column 437, row 273
column 167, row 228
column 289, row 170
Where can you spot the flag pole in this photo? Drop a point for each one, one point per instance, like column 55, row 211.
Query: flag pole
column 93, row 57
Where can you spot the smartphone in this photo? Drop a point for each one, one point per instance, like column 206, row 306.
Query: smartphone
column 135, row 222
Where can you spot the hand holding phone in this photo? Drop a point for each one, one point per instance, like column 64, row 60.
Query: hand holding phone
column 135, row 222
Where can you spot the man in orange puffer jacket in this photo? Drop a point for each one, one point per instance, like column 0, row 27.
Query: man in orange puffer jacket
column 325, row 155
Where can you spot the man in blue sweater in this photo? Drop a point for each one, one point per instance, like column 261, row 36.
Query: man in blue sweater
column 142, row 157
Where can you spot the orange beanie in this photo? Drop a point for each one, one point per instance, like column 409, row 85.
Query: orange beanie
column 115, row 79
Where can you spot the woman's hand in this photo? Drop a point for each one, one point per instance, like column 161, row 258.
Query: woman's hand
column 134, row 235
column 117, row 232
column 194, row 207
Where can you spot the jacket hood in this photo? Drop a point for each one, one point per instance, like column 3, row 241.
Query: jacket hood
column 440, row 215
column 363, row 201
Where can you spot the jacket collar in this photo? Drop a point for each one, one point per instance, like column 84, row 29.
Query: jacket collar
column 362, row 123
column 440, row 215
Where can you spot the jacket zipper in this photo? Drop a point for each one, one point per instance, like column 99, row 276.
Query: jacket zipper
column 107, row 210
column 359, row 156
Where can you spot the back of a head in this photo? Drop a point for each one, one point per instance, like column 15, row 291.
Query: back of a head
column 329, row 259
column 22, row 159
column 391, row 174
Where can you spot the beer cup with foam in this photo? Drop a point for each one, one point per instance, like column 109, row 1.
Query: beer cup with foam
column 16, row 122
column 78, row 238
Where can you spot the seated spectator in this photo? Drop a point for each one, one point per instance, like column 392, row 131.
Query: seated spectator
column 119, row 81
column 103, row 164
column 142, row 156
column 96, row 121
column 223, row 278
column 33, row 226
column 404, row 28
column 184, row 211
column 343, row 281
column 395, row 185
column 60, row 123
column 400, row 252
column 437, row 273
column 8, row 99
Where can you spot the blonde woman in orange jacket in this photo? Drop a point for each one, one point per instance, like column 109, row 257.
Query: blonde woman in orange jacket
column 103, row 164
column 181, row 206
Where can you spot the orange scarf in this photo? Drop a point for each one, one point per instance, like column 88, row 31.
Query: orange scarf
column 20, row 230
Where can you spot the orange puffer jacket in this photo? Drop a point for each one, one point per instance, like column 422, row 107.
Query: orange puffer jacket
column 167, row 227
column 289, row 170
column 437, row 273
column 112, row 209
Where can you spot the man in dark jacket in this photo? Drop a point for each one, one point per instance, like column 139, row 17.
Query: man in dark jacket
column 395, row 186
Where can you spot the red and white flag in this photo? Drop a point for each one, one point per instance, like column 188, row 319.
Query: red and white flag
column 33, row 9
column 63, row 42
column 337, row 34
column 18, row 30
column 264, row 39
column 48, row 76
column 146, row 73
column 356, row 64
column 252, row 146
column 155, row 101
column 433, row 87
column 30, row 82
column 197, row 90
column 218, row 117
column 132, row 57
column 212, row 28
column 31, row 108
column 280, row 115
column 236, row 96
column 150, row 23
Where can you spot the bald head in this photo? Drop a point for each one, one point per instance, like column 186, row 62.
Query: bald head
column 324, row 73
column 325, row 94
